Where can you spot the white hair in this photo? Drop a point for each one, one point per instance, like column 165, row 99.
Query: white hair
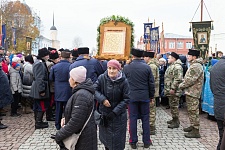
column 162, row 59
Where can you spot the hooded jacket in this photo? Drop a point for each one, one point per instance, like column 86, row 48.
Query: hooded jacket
column 77, row 111
column 15, row 81
column 193, row 79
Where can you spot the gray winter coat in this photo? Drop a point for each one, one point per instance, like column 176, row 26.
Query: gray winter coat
column 113, row 135
column 15, row 80
column 41, row 81
column 77, row 111
column 217, row 80
column 27, row 79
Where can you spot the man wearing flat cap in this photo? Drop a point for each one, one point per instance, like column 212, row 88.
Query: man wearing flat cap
column 142, row 90
column 93, row 66
column 154, row 65
column 173, row 77
column 192, row 86
column 40, row 88
column 59, row 75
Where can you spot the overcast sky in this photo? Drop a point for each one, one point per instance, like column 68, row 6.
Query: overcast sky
column 81, row 17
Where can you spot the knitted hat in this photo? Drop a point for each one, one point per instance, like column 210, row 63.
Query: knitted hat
column 15, row 59
column 114, row 63
column 19, row 55
column 175, row 55
column 78, row 74
column 43, row 52
column 15, row 64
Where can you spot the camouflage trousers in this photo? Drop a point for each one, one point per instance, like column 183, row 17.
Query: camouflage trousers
column 152, row 113
column 174, row 104
column 193, row 110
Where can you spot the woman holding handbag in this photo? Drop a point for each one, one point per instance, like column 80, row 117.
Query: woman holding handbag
column 77, row 112
column 112, row 94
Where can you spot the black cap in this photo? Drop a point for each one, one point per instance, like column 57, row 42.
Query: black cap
column 175, row 55
column 61, row 49
column 83, row 50
column 74, row 53
column 137, row 52
column 149, row 54
column 50, row 48
column 194, row 52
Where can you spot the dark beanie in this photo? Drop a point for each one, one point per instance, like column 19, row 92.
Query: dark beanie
column 83, row 50
column 65, row 53
column 175, row 55
column 29, row 59
column 149, row 54
column 137, row 52
column 43, row 52
column 194, row 52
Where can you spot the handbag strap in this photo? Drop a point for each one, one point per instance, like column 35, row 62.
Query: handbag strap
column 87, row 120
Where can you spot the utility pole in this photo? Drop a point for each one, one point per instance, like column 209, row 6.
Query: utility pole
column 202, row 2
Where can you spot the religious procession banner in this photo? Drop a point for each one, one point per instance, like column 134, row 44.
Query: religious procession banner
column 147, row 36
column 154, row 40
column 28, row 43
column 115, row 38
column 201, row 36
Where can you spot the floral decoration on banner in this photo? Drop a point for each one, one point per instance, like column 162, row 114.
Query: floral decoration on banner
column 116, row 19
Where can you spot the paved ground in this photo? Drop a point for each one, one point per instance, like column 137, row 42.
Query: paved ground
column 21, row 134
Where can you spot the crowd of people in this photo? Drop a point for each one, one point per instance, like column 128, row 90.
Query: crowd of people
column 79, row 92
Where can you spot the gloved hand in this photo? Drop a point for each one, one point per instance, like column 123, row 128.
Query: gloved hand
column 111, row 116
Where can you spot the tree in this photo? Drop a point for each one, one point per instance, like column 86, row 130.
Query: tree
column 77, row 42
column 19, row 16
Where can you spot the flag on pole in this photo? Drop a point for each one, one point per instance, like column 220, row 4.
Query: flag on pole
column 162, row 40
column 1, row 32
column 14, row 37
column 154, row 39
column 3, row 35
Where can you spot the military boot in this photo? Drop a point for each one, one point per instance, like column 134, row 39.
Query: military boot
column 49, row 115
column 170, row 121
column 188, row 129
column 35, row 117
column 38, row 122
column 175, row 123
column 152, row 130
column 193, row 134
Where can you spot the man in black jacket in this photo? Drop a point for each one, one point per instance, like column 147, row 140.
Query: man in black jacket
column 217, row 80
column 142, row 90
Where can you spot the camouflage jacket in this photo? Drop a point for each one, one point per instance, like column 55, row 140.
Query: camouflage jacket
column 173, row 77
column 154, row 65
column 193, row 79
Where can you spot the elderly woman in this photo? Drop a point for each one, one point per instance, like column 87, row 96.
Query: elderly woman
column 112, row 94
column 77, row 111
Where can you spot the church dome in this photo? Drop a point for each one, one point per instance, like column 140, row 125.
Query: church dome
column 53, row 28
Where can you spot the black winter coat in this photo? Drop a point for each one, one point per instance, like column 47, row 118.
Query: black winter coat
column 77, row 111
column 41, row 81
column 113, row 136
column 6, row 97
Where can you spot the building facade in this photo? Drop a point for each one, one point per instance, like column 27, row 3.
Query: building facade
column 172, row 43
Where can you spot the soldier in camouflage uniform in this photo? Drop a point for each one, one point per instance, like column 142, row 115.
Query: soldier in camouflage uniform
column 192, row 85
column 173, row 77
column 154, row 65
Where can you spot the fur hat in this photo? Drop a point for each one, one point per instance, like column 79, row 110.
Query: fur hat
column 65, row 53
column 75, row 53
column 114, row 63
column 149, row 54
column 53, row 54
column 83, row 50
column 43, row 52
column 78, row 74
column 137, row 52
column 175, row 55
column 194, row 52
